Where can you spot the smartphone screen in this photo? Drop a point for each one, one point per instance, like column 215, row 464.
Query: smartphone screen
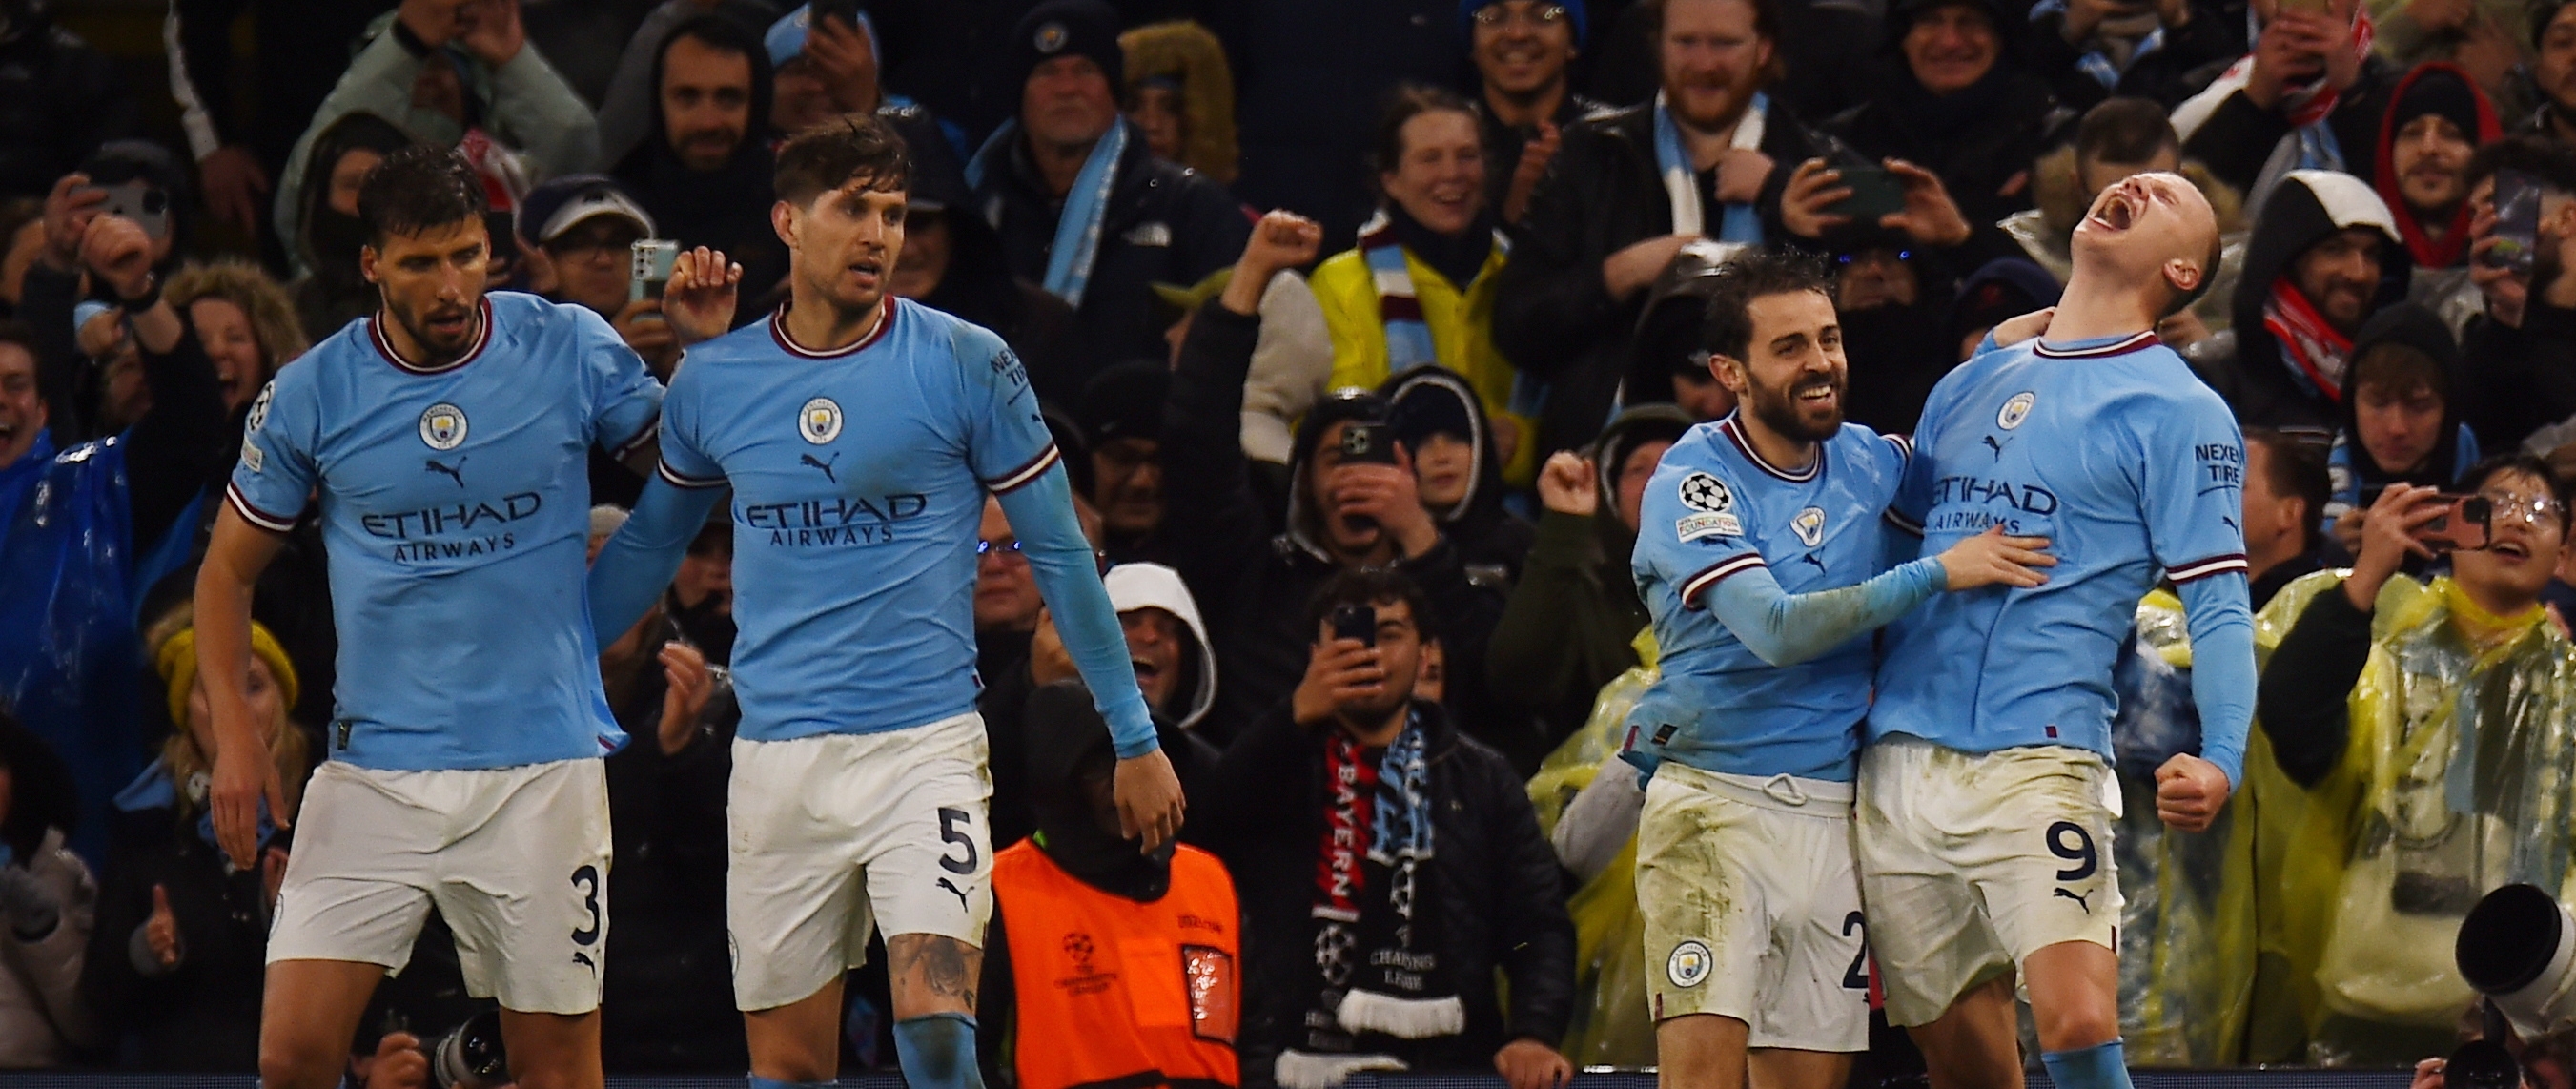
column 2517, row 229
column 1874, row 193
column 1355, row 622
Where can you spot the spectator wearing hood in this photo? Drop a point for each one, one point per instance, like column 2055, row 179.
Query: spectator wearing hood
column 179, row 952
column 1103, row 964
column 2119, row 137
column 626, row 107
column 329, row 291
column 1669, row 341
column 1524, row 52
column 440, row 69
column 1570, row 622
column 1894, row 307
column 1176, row 669
column 2436, row 119
column 1954, row 98
column 1180, row 96
column 952, row 261
column 1457, row 470
column 1419, row 288
column 2091, row 50
column 1712, row 155
column 2401, row 421
column 2323, row 258
column 1420, row 982
column 60, row 99
column 2519, row 376
column 1081, row 206
column 1121, row 416
column 1250, row 567
column 702, row 170
column 2310, row 96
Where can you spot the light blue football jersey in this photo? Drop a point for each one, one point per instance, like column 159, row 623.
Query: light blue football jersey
column 455, row 505
column 2131, row 467
column 858, row 482
column 1713, row 510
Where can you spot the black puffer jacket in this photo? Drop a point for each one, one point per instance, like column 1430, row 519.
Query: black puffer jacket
column 2258, row 382
column 203, row 1016
column 1252, row 581
column 1553, row 317
column 1501, row 895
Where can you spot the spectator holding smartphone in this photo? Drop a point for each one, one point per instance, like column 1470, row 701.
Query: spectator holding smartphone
column 2401, row 420
column 2431, row 727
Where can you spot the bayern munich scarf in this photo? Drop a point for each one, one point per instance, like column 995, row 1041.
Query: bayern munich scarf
column 1399, row 311
column 2316, row 354
column 1086, row 206
column 1377, row 969
column 1739, row 222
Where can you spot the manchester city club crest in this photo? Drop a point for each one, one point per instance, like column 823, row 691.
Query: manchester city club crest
column 1701, row 491
column 442, row 426
column 1809, row 525
column 2015, row 410
column 819, row 421
column 1689, row 964
column 1051, row 37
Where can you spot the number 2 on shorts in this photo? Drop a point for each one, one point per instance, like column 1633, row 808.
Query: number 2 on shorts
column 1857, row 976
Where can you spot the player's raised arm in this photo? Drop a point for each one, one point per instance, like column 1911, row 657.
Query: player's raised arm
column 644, row 554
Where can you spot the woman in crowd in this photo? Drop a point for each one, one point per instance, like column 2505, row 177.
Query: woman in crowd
column 244, row 321
column 1419, row 289
column 329, row 292
column 178, row 957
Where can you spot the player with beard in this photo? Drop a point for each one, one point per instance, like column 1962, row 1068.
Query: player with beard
column 860, row 787
column 1985, row 814
column 446, row 439
column 1761, row 554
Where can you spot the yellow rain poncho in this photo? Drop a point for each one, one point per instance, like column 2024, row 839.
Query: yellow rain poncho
column 1611, row 1027
column 2457, row 777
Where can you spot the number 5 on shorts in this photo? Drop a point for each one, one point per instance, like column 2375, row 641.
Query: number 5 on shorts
column 950, row 832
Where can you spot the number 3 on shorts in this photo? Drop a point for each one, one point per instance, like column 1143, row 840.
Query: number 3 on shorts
column 587, row 880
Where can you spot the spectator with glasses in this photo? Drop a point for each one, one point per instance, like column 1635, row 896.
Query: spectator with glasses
column 2428, row 726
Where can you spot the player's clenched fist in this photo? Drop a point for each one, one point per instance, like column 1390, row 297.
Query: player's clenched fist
column 2189, row 793
column 1149, row 799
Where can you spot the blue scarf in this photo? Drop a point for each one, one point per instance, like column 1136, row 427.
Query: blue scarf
column 1077, row 227
column 1741, row 223
column 1399, row 310
column 154, row 790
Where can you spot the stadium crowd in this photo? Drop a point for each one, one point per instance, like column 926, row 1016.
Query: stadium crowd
column 1386, row 307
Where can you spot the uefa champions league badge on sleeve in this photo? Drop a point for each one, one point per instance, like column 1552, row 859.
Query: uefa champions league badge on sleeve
column 1709, row 496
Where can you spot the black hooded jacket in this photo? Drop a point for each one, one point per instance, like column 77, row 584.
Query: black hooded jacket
column 1251, row 580
column 333, row 293
column 1977, row 138
column 1491, row 541
column 2257, row 381
column 2515, row 381
column 1498, row 889
column 2421, row 329
column 979, row 287
column 726, row 208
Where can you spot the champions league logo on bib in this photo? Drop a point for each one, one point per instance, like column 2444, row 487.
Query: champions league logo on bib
column 442, row 426
column 2015, row 411
column 819, row 421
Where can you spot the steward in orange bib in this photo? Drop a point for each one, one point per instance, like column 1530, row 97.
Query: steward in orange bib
column 1104, row 966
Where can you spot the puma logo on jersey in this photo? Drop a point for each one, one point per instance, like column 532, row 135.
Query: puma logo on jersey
column 825, row 466
column 584, row 960
column 962, row 903
column 455, row 472
column 1811, row 558
column 1997, row 445
column 2079, row 900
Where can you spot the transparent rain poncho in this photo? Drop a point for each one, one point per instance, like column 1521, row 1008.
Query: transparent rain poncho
column 2187, row 917
column 1611, row 1026
column 2455, row 779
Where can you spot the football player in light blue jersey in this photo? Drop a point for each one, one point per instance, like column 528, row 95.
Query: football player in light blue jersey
column 1762, row 555
column 1986, row 795
column 446, row 442
column 860, row 434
